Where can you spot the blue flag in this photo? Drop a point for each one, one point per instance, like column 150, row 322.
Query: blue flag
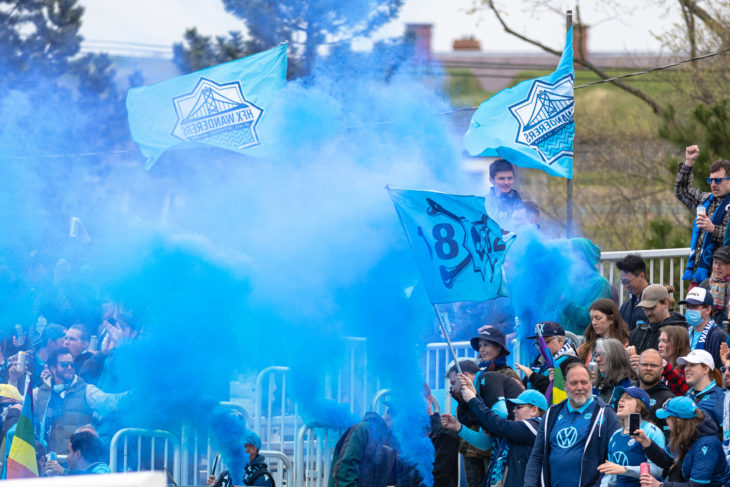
column 531, row 124
column 458, row 248
column 220, row 106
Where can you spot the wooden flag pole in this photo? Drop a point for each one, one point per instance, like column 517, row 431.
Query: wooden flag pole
column 569, row 202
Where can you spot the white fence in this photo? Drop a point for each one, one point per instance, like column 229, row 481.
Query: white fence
column 144, row 450
column 663, row 266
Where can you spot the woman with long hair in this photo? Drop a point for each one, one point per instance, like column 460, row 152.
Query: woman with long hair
column 606, row 322
column 674, row 343
column 695, row 455
column 625, row 455
column 614, row 368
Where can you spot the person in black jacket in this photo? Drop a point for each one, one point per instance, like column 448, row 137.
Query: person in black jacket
column 650, row 379
column 515, row 438
column 632, row 276
column 655, row 301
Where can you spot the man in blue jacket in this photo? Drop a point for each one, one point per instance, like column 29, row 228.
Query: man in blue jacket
column 573, row 438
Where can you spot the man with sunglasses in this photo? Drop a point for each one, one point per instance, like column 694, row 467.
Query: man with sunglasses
column 708, row 230
column 64, row 402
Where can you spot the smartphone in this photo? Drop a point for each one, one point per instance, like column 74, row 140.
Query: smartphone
column 634, row 422
column 93, row 344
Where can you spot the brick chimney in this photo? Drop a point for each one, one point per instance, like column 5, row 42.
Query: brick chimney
column 580, row 41
column 421, row 35
column 467, row 44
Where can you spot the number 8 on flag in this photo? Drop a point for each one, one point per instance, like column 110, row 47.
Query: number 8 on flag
column 458, row 248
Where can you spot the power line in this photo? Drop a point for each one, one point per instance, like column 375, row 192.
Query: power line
column 608, row 80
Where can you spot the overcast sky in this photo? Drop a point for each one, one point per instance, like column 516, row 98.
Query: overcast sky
column 164, row 21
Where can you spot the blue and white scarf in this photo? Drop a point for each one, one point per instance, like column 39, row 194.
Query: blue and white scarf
column 704, row 266
column 702, row 343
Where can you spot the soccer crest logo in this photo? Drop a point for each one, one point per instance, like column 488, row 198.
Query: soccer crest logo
column 217, row 114
column 545, row 119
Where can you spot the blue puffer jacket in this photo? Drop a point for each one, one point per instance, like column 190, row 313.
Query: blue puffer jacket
column 604, row 422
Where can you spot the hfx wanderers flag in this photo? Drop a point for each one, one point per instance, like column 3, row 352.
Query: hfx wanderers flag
column 458, row 248
column 531, row 124
column 219, row 106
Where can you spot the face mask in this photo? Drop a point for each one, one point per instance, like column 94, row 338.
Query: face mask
column 693, row 316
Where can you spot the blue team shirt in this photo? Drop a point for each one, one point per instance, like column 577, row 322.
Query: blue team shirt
column 567, row 441
column 625, row 451
column 705, row 462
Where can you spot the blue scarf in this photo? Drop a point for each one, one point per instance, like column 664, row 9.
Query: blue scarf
column 705, row 333
column 704, row 266
column 499, row 462
column 498, row 363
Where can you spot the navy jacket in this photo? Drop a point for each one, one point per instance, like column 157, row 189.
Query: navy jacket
column 704, row 464
column 604, row 422
column 519, row 434
column 710, row 401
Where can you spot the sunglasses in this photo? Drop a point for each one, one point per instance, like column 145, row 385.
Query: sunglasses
column 723, row 369
column 716, row 180
column 65, row 365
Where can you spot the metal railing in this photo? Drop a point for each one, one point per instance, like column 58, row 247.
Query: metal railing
column 141, row 459
column 278, row 425
column 283, row 466
column 313, row 455
column 663, row 266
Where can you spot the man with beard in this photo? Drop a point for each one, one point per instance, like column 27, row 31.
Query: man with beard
column 573, row 439
column 655, row 301
column 650, row 379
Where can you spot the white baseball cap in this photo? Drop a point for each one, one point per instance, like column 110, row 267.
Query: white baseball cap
column 698, row 357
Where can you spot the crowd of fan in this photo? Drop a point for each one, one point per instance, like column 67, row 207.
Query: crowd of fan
column 646, row 401
column 74, row 390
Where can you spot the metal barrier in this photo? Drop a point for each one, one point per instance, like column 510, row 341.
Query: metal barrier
column 277, row 426
column 155, row 462
column 376, row 400
column 276, row 414
column 283, row 465
column 663, row 266
column 313, row 455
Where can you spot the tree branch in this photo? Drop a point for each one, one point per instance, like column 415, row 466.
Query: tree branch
column 716, row 27
column 656, row 108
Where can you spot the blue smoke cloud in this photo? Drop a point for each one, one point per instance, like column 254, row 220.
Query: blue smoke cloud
column 230, row 263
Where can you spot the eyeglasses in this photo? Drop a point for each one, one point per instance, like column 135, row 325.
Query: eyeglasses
column 624, row 282
column 650, row 366
column 65, row 365
column 716, row 180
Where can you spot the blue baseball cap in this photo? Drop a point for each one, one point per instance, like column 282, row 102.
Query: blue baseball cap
column 635, row 392
column 531, row 397
column 679, row 407
column 251, row 438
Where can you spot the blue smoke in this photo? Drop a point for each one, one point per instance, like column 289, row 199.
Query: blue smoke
column 229, row 263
